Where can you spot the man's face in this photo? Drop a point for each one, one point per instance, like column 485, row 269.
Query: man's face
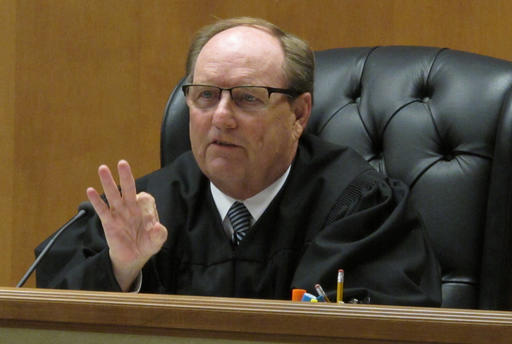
column 243, row 152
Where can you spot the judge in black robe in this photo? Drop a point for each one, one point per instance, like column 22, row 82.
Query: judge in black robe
column 334, row 211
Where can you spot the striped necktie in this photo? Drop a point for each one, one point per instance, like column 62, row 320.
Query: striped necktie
column 240, row 219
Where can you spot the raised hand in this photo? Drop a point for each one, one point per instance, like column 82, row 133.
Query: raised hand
column 130, row 222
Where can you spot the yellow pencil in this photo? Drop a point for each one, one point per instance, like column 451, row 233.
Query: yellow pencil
column 339, row 291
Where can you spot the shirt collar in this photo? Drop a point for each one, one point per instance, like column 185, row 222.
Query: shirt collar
column 256, row 204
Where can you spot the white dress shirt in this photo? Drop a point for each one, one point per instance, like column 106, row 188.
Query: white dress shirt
column 256, row 205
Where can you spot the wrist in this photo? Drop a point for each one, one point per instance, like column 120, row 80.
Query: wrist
column 125, row 274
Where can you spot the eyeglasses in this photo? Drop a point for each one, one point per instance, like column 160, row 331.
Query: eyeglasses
column 247, row 98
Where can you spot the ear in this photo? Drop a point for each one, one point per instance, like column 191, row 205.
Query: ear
column 301, row 107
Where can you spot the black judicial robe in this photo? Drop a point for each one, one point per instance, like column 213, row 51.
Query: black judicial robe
column 333, row 212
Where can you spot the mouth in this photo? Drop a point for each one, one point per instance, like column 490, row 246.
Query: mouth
column 223, row 143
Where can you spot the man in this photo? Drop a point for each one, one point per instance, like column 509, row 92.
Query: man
column 302, row 208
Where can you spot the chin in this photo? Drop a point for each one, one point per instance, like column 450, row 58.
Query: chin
column 223, row 172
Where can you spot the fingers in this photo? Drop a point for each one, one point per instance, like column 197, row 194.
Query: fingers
column 126, row 203
column 109, row 187
column 147, row 206
column 98, row 204
column 117, row 199
column 158, row 236
column 127, row 182
column 152, row 226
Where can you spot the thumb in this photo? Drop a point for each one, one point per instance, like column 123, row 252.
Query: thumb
column 158, row 235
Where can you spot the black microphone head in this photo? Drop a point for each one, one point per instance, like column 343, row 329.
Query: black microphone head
column 87, row 207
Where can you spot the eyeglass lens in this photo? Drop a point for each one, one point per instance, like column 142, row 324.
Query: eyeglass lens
column 250, row 98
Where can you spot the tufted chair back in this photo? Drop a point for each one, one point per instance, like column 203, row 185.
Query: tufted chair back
column 441, row 121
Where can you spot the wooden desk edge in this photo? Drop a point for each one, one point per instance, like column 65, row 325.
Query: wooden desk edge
column 247, row 318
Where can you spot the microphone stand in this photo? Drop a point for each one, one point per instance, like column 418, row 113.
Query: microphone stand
column 83, row 209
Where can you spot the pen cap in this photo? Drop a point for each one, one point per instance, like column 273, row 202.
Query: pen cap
column 297, row 294
column 308, row 297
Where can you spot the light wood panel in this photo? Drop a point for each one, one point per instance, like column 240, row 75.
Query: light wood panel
column 7, row 113
column 86, row 82
column 247, row 319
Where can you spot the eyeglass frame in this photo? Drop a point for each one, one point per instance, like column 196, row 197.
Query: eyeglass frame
column 287, row 91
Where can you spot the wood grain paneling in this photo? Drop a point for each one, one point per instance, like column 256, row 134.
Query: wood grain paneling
column 86, row 82
column 7, row 113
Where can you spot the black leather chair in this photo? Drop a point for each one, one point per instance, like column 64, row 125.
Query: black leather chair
column 438, row 119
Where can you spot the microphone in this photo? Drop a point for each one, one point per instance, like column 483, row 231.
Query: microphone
column 83, row 209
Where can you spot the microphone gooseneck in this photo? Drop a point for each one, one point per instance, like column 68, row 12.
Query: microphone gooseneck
column 83, row 209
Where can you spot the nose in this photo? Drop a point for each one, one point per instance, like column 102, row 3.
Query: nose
column 223, row 114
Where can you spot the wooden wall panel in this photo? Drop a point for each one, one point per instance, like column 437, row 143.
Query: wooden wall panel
column 7, row 65
column 77, row 105
column 87, row 81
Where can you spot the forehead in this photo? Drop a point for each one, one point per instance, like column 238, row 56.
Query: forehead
column 241, row 55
